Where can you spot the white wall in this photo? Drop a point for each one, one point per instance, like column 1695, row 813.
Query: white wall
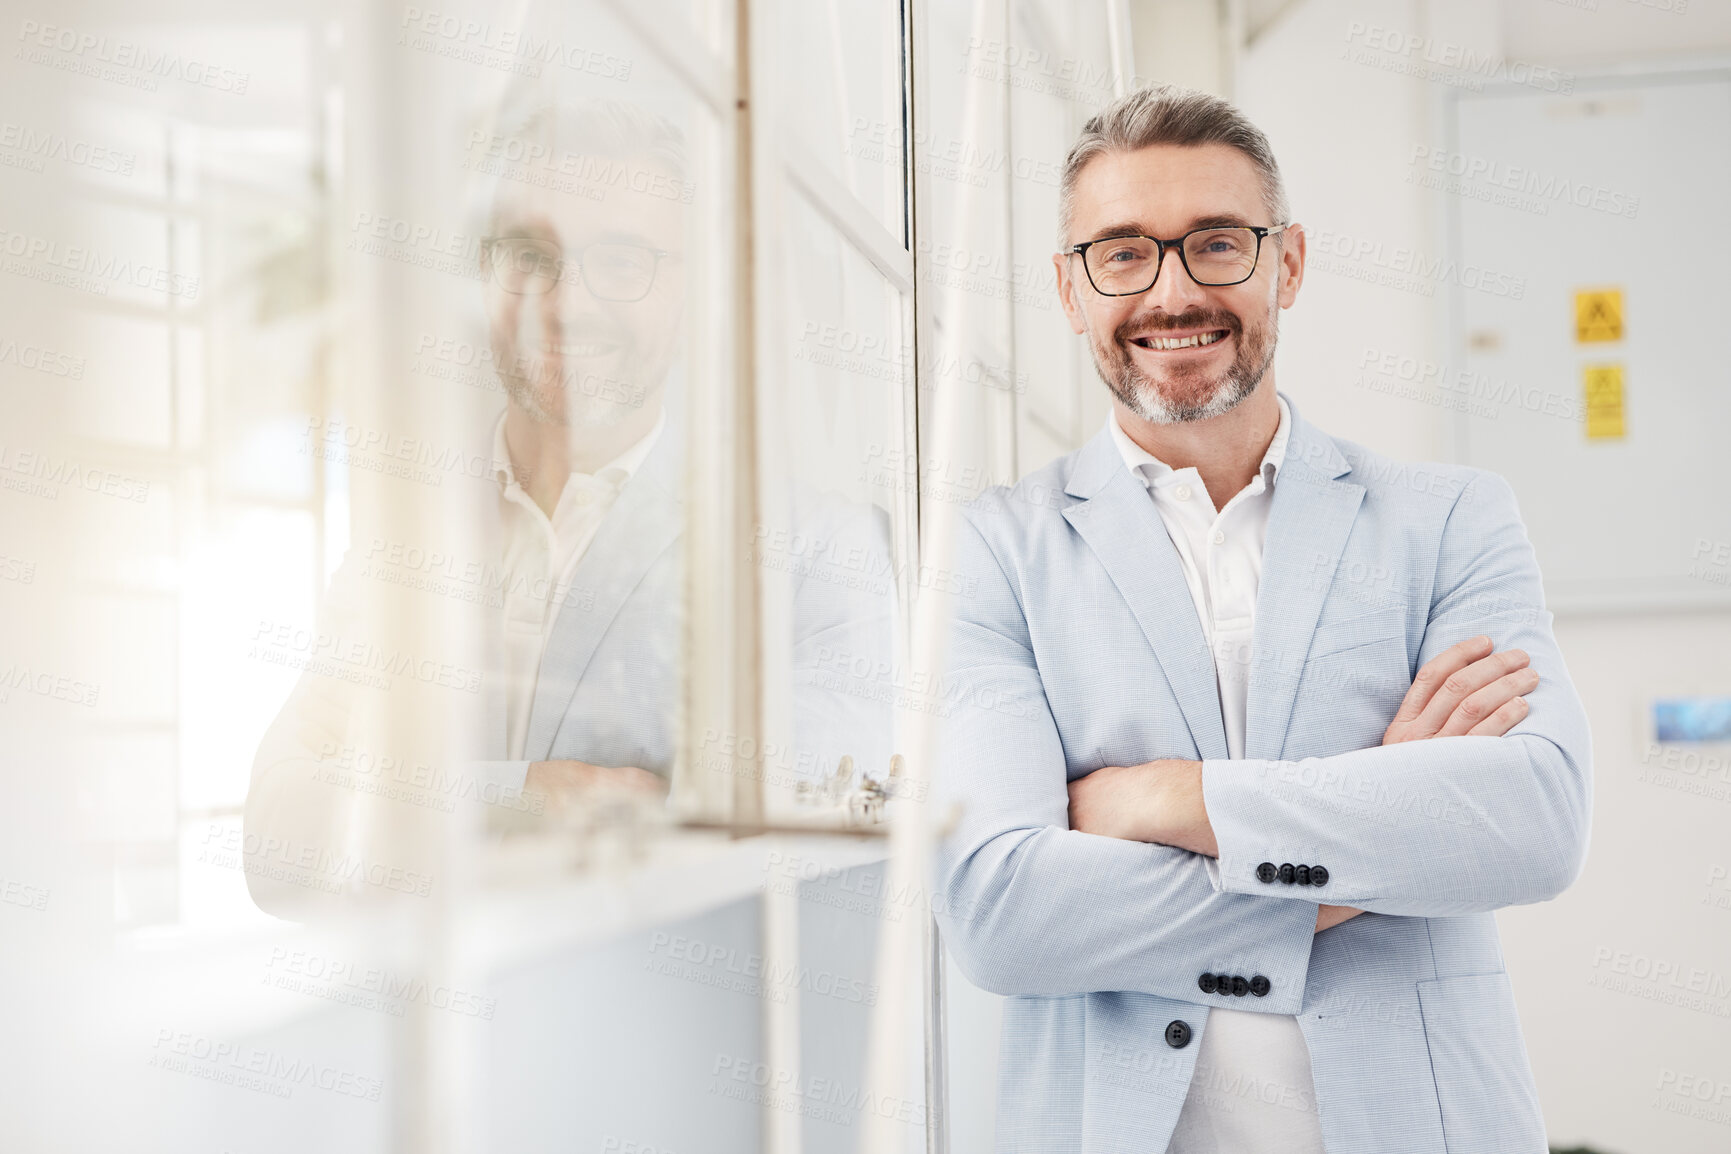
column 1338, row 132
column 1344, row 132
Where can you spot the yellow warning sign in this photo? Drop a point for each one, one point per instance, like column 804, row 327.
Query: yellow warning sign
column 1604, row 389
column 1598, row 315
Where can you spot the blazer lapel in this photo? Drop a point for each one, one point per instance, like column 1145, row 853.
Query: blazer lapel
column 1118, row 520
column 1308, row 525
column 645, row 521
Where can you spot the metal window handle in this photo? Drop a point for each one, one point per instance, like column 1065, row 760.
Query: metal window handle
column 863, row 798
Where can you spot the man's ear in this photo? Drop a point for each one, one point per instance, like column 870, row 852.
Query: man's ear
column 1067, row 294
column 1291, row 264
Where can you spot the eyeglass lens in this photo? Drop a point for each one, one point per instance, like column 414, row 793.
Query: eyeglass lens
column 1214, row 256
column 611, row 271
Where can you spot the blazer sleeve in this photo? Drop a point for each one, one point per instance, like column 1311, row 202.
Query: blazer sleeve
column 1029, row 906
column 1443, row 827
column 293, row 815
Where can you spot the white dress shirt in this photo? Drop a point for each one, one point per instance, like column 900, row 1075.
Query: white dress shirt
column 1252, row 1092
column 538, row 558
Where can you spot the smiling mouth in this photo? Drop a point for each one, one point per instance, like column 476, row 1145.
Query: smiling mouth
column 1193, row 341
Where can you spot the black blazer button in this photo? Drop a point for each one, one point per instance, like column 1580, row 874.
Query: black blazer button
column 1266, row 873
column 1260, row 986
column 1318, row 875
column 1208, row 983
column 1177, row 1034
column 1240, row 986
column 1287, row 872
column 1302, row 875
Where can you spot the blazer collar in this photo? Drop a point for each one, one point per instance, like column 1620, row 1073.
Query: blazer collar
column 1309, row 521
column 1314, row 450
column 646, row 520
column 1099, row 459
column 1120, row 524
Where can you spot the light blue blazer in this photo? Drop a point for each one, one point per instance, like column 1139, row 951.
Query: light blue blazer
column 1081, row 648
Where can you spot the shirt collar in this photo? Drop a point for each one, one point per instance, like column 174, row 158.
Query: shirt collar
column 626, row 463
column 1151, row 470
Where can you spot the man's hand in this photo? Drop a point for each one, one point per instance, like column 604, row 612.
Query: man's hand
column 1465, row 689
column 567, row 783
column 1327, row 917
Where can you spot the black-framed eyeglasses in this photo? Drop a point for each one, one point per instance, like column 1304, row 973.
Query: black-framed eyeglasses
column 611, row 270
column 1122, row 266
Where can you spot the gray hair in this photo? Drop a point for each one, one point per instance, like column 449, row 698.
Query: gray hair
column 597, row 134
column 1167, row 114
column 609, row 128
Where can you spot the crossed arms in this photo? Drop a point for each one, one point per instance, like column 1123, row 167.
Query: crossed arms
column 1467, row 689
column 1032, row 905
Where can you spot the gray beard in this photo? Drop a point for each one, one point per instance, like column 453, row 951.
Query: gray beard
column 588, row 398
column 1142, row 397
column 1138, row 392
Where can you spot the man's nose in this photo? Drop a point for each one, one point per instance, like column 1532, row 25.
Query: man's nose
column 1175, row 290
column 570, row 297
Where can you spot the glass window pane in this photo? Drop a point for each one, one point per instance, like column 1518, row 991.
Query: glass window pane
column 839, row 80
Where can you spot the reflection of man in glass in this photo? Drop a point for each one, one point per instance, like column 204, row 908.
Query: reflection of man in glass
column 584, row 299
column 584, row 310
column 583, row 291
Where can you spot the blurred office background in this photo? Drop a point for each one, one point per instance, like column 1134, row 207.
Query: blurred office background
column 245, row 336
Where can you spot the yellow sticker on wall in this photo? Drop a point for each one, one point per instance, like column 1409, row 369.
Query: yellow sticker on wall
column 1598, row 315
column 1604, row 389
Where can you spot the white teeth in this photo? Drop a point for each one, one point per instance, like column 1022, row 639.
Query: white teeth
column 1182, row 342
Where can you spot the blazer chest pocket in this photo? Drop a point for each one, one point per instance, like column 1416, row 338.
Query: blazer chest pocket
column 1357, row 630
column 1351, row 684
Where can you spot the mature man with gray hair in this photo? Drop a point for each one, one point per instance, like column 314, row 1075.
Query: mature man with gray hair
column 1279, row 721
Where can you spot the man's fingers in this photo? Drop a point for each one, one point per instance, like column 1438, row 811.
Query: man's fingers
column 1463, row 683
column 1327, row 917
column 1438, row 669
column 1507, row 716
column 573, row 782
column 635, row 780
column 1485, row 702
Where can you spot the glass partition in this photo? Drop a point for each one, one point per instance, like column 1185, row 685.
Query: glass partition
column 470, row 478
